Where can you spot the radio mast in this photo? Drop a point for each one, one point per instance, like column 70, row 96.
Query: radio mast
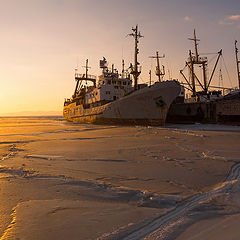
column 160, row 73
column 135, row 71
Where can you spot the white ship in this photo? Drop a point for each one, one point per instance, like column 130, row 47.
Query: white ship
column 113, row 99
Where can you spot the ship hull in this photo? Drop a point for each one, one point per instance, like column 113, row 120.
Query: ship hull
column 147, row 106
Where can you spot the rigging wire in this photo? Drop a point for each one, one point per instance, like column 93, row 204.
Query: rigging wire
column 168, row 69
column 76, row 69
column 220, row 73
column 227, row 72
column 184, row 67
column 151, row 68
column 122, row 52
column 212, row 59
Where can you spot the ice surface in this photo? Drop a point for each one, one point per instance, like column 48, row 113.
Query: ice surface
column 78, row 181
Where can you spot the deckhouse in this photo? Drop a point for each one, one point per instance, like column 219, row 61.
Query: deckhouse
column 110, row 87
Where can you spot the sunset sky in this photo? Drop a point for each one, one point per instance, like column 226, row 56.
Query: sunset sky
column 43, row 41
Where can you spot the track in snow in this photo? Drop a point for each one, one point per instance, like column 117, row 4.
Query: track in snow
column 146, row 228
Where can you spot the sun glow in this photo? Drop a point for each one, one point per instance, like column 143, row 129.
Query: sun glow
column 43, row 42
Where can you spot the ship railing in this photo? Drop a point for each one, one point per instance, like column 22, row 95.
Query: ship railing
column 84, row 77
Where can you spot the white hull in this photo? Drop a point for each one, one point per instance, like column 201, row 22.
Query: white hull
column 145, row 106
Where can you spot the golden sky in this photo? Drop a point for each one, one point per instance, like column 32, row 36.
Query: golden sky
column 43, row 41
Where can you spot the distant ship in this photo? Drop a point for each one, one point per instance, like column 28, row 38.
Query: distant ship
column 115, row 99
column 220, row 105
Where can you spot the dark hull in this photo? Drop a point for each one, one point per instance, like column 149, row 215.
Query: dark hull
column 224, row 110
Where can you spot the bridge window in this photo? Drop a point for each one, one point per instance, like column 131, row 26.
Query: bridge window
column 116, row 87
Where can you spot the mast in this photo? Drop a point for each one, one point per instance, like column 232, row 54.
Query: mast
column 79, row 79
column 150, row 77
column 237, row 61
column 197, row 60
column 192, row 73
column 123, row 64
column 158, row 68
column 134, row 69
column 87, row 67
column 159, row 73
column 195, row 44
column 83, row 77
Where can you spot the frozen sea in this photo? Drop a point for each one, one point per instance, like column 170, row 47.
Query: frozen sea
column 60, row 180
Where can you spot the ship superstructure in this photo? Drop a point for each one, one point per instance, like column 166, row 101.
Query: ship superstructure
column 113, row 98
column 110, row 86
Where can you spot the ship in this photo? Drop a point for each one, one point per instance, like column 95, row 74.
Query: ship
column 202, row 105
column 118, row 98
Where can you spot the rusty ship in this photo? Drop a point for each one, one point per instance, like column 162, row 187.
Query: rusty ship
column 118, row 98
column 205, row 103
